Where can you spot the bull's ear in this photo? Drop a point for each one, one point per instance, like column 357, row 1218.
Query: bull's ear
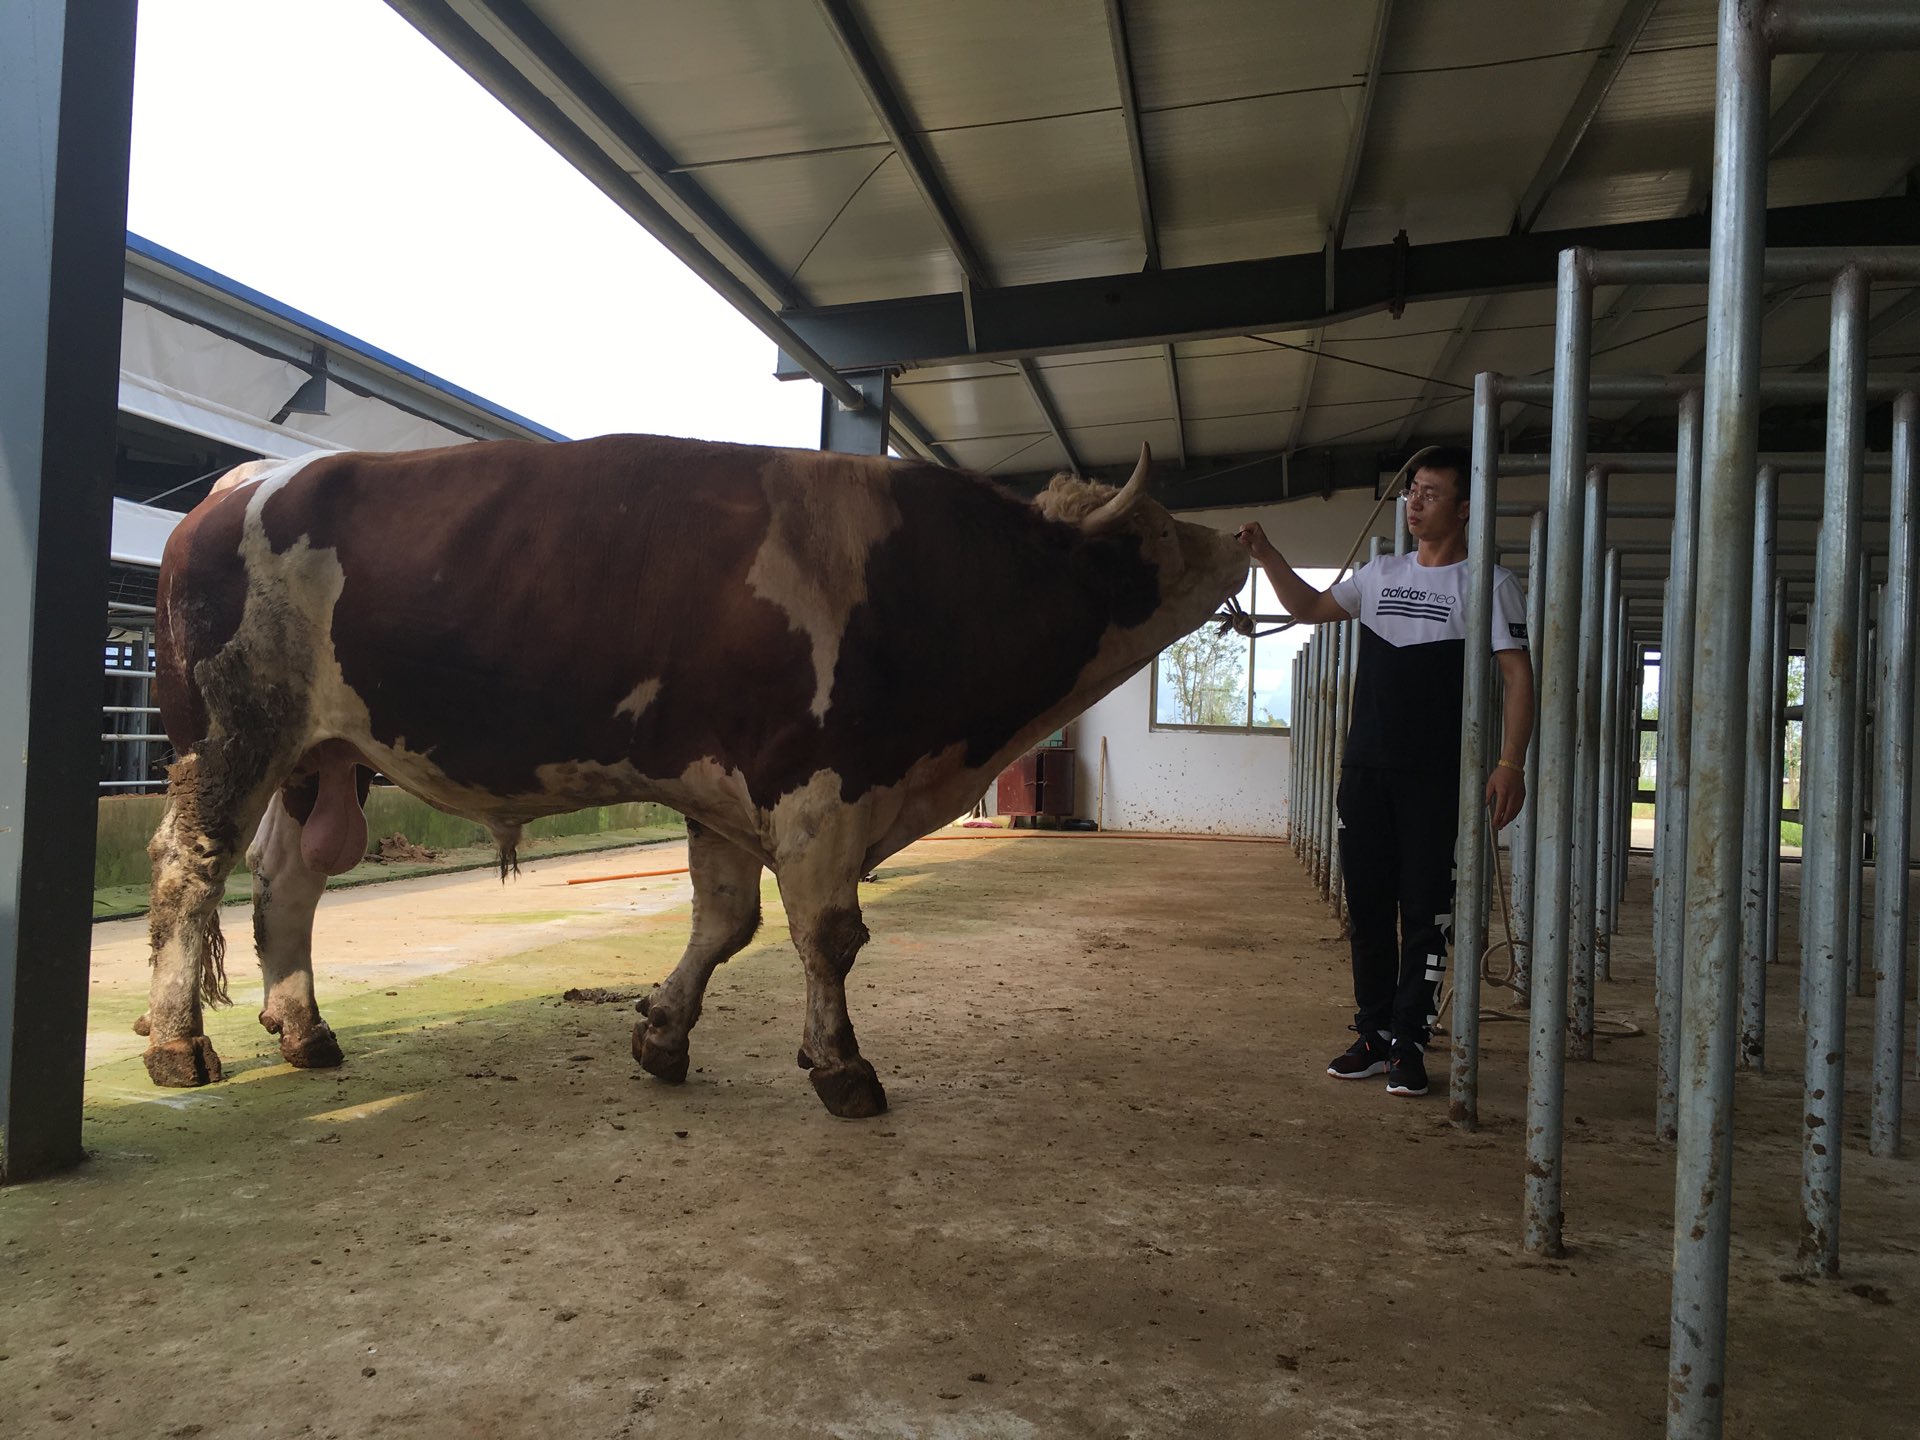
column 1117, row 509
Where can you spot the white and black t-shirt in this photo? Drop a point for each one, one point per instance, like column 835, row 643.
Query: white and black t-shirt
column 1413, row 644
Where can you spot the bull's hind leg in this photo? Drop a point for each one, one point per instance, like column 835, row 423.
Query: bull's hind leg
column 820, row 886
column 286, row 891
column 726, row 913
column 209, row 808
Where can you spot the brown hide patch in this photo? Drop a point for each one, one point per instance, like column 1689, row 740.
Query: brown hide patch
column 503, row 601
column 202, row 596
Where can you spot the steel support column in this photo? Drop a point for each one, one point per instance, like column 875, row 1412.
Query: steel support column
column 1703, row 1160
column 1856, row 823
column 1559, row 642
column 1470, row 843
column 1831, row 705
column 1586, row 762
column 66, row 96
column 1676, row 763
column 1522, row 845
column 862, row 431
column 1606, row 811
column 1895, row 815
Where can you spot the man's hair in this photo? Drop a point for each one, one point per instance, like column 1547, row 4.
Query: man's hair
column 1456, row 462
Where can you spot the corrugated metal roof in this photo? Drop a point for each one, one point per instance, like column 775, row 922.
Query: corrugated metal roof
column 751, row 116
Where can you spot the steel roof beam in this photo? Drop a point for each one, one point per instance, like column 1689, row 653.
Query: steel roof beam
column 1285, row 293
column 1343, row 206
column 1179, row 417
column 1573, row 129
column 1357, row 137
column 874, row 83
column 1130, row 118
column 1585, row 108
column 1143, row 195
column 1793, row 112
column 892, row 115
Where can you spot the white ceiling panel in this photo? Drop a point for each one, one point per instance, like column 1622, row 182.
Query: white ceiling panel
column 1239, row 434
column 1109, row 392
column 1247, row 382
column 1119, row 444
column 975, row 409
column 988, row 62
column 786, row 85
column 1045, row 199
column 843, row 226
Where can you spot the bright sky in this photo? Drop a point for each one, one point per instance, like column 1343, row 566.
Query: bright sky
column 329, row 156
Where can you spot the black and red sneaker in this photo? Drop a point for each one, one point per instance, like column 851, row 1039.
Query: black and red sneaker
column 1406, row 1069
column 1366, row 1057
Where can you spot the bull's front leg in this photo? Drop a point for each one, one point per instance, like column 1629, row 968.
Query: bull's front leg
column 820, row 888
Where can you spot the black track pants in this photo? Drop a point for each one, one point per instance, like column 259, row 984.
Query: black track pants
column 1397, row 831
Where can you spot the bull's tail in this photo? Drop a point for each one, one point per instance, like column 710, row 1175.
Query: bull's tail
column 213, row 968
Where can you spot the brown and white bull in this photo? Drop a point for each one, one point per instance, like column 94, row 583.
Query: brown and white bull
column 816, row 658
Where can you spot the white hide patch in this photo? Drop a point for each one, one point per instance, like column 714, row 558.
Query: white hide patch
column 823, row 523
column 635, row 705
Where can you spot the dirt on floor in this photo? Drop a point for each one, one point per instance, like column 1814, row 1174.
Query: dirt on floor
column 1116, row 1194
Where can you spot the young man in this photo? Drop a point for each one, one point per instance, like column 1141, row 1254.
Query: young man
column 1400, row 783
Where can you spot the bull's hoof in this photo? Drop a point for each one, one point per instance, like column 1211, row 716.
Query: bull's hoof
column 658, row 1056
column 311, row 1049
column 183, row 1064
column 143, row 1026
column 852, row 1091
column 803, row 1060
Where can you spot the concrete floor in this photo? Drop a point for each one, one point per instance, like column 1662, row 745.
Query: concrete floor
column 1116, row 1194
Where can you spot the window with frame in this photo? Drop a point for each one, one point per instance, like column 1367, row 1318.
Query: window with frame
column 1234, row 683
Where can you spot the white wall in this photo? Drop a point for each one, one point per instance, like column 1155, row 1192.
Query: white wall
column 1190, row 781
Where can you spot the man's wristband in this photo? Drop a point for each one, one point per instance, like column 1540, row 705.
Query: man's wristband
column 1513, row 765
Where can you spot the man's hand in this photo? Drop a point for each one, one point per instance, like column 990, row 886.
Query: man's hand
column 1506, row 793
column 1251, row 536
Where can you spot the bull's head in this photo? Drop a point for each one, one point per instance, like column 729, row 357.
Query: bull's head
column 1195, row 568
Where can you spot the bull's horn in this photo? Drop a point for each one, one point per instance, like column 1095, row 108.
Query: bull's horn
column 1117, row 509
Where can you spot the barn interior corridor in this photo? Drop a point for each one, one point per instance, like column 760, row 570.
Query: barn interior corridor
column 1115, row 1195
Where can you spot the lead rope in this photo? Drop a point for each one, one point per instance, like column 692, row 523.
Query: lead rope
column 1603, row 1026
column 1233, row 615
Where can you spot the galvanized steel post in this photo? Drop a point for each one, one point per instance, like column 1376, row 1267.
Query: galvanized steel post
column 1776, row 764
column 1857, row 789
column 1606, row 807
column 1676, row 759
column 1896, row 787
column 1547, row 1047
column 1524, row 829
column 1831, row 702
column 1703, row 1159
column 1757, row 809
column 1470, row 841
column 1581, row 895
